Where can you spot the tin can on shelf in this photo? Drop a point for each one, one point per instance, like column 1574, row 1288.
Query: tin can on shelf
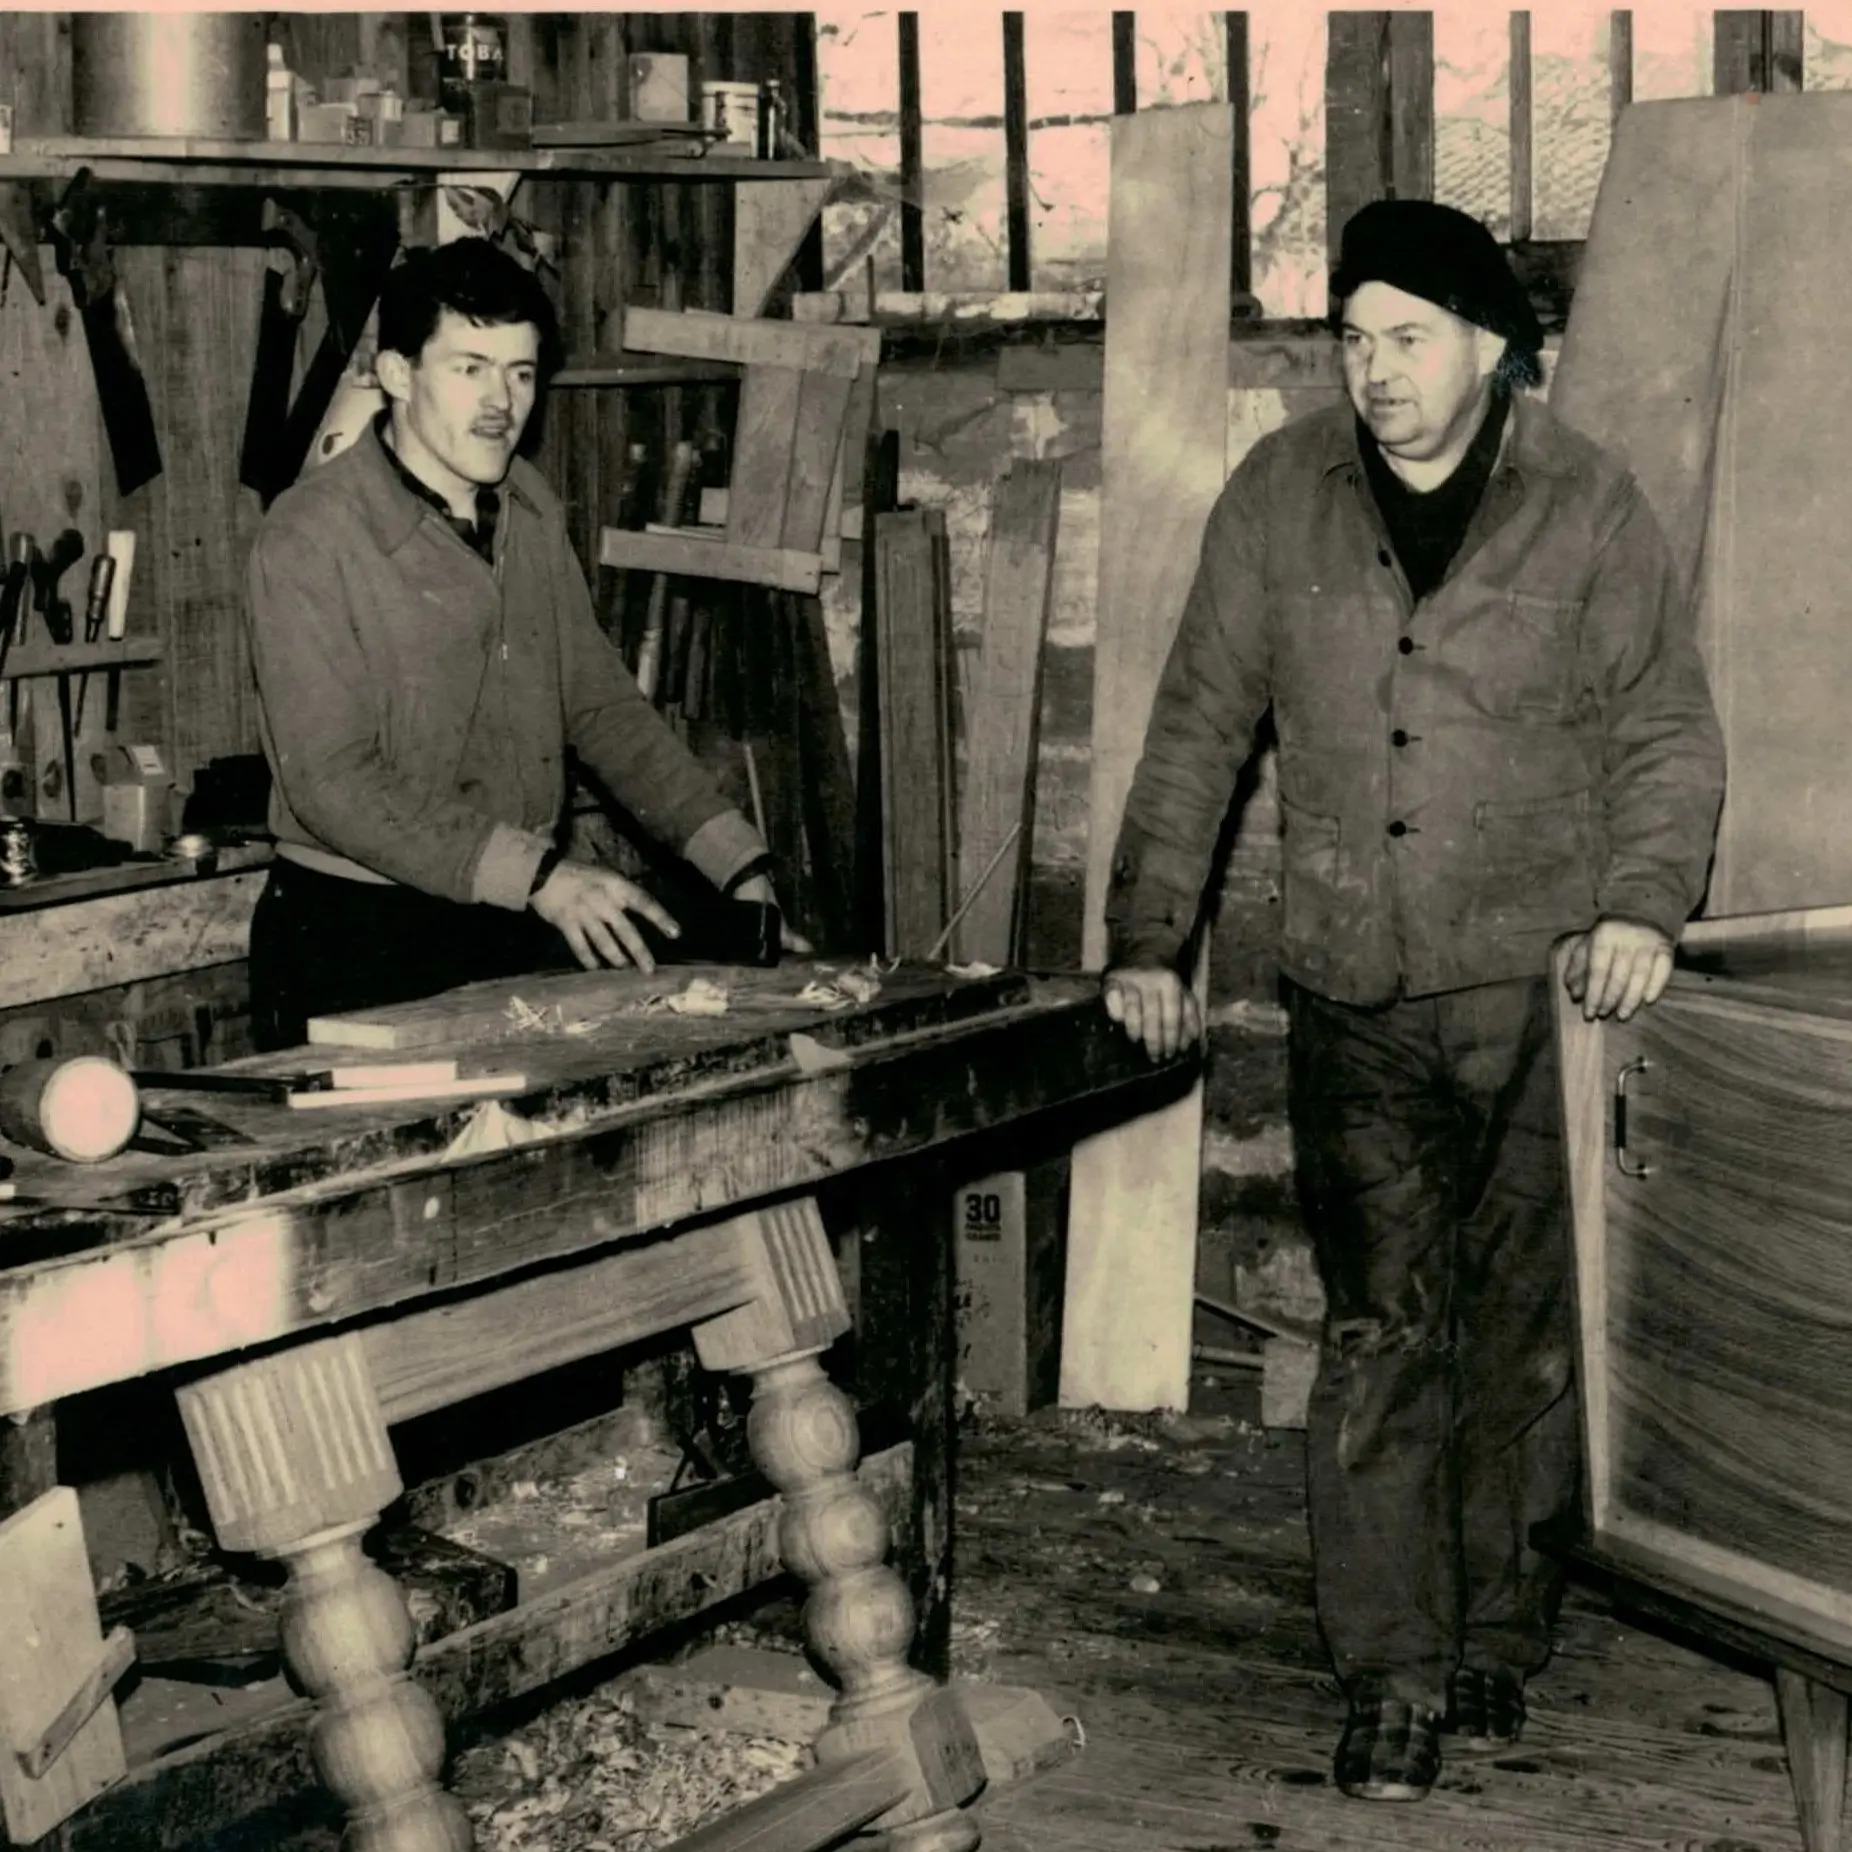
column 19, row 861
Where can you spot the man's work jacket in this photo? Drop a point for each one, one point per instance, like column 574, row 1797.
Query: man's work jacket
column 417, row 701
column 1528, row 749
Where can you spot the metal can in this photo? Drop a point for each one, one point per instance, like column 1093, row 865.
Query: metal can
column 19, row 862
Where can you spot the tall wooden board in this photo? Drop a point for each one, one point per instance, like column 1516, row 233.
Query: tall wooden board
column 1004, row 721
column 1709, row 314
column 1132, row 1223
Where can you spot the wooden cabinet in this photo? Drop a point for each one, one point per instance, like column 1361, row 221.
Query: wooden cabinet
column 1710, row 1159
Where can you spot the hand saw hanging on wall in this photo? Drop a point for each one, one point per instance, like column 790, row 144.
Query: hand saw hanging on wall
column 80, row 230
column 349, row 253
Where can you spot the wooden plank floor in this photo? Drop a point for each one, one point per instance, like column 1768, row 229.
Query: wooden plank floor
column 1207, row 1706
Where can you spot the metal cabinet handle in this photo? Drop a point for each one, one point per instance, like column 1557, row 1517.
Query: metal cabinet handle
column 1628, row 1167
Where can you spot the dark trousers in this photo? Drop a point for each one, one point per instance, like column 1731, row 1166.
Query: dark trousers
column 321, row 944
column 1443, row 1423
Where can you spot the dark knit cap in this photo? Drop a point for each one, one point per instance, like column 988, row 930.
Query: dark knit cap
column 1443, row 256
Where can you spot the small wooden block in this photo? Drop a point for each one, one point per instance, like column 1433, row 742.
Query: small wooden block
column 49, row 1635
column 748, row 1691
column 1287, row 1369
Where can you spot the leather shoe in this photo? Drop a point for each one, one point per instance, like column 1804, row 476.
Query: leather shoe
column 1390, row 1750
column 1485, row 1708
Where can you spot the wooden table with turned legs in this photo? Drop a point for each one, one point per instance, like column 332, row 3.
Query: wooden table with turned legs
column 381, row 1263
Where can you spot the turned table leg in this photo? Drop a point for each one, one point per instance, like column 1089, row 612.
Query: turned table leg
column 297, row 1465
column 834, row 1535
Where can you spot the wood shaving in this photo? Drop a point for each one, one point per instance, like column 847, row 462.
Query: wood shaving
column 591, row 1776
column 552, row 1020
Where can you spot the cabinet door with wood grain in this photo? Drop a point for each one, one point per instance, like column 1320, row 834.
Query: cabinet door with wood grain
column 1711, row 1159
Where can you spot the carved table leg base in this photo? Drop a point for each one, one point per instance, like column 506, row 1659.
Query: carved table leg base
column 860, row 1617
column 296, row 1463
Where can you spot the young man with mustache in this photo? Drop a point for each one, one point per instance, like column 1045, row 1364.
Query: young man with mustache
column 1494, row 732
column 426, row 656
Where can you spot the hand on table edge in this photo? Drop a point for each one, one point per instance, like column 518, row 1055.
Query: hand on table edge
column 1617, row 967
column 1154, row 1006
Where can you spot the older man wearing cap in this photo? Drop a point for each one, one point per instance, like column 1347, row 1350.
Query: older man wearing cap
column 1494, row 731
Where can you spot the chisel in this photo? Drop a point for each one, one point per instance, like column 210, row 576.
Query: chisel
column 121, row 548
column 66, row 551
column 96, row 611
column 16, row 603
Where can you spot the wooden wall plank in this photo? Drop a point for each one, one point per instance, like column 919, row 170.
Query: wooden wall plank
column 1523, row 144
column 1356, row 108
column 1003, row 720
column 196, row 316
column 1410, row 165
column 1241, row 190
column 912, row 647
column 1124, row 63
column 1620, row 61
column 1016, row 150
column 1132, row 1225
column 1756, row 49
column 912, row 164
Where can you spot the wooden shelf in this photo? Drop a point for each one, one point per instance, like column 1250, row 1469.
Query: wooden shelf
column 42, row 657
column 197, row 161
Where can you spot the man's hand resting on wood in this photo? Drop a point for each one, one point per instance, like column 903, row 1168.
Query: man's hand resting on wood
column 591, row 907
column 1154, row 1006
column 1617, row 966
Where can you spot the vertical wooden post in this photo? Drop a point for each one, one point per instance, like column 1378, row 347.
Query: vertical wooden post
column 1757, row 50
column 296, row 1464
column 28, row 1458
column 859, row 1617
column 1124, row 64
column 912, row 171
column 1521, row 153
column 1016, row 150
column 1620, row 62
column 1241, row 189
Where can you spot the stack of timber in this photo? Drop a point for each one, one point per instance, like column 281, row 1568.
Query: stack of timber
column 1132, row 1228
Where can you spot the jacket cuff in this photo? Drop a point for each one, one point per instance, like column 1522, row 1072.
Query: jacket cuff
column 1651, row 905
column 722, row 846
column 505, row 868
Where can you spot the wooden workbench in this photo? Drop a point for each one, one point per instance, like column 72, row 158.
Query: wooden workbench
column 366, row 1265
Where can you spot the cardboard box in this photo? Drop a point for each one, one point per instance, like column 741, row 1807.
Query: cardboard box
column 430, row 128
column 659, row 87
column 137, row 796
column 1010, row 1232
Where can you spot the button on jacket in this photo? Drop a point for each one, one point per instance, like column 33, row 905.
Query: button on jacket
column 417, row 700
column 1463, row 780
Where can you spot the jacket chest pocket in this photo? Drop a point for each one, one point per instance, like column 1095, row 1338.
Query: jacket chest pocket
column 1522, row 656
